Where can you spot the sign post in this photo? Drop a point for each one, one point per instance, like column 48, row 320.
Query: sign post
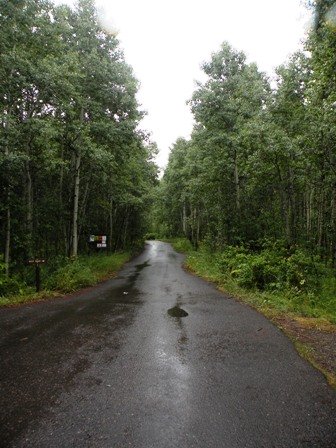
column 100, row 241
column 37, row 262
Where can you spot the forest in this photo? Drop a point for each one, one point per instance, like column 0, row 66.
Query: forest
column 251, row 195
column 255, row 185
column 73, row 161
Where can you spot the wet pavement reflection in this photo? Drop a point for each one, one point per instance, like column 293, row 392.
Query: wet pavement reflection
column 43, row 354
column 155, row 358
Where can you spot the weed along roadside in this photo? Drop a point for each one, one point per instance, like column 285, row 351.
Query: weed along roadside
column 63, row 275
column 270, row 283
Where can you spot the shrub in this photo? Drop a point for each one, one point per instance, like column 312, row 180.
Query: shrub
column 150, row 236
column 181, row 244
column 272, row 268
column 9, row 285
column 304, row 272
column 70, row 277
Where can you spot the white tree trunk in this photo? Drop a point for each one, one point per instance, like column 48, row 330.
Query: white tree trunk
column 184, row 219
column 74, row 250
column 8, row 237
column 236, row 179
column 8, row 211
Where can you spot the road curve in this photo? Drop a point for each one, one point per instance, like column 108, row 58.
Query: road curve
column 110, row 367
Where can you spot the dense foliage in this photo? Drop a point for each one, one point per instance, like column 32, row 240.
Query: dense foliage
column 271, row 279
column 72, row 160
column 261, row 162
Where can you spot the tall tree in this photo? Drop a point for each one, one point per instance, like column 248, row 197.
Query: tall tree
column 72, row 159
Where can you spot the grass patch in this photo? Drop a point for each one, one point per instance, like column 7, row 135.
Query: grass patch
column 26, row 296
column 65, row 276
column 180, row 244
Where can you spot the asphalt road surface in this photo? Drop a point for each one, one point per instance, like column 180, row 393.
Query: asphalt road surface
column 111, row 367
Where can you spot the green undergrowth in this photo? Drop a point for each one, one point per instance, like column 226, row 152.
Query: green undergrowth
column 181, row 245
column 60, row 275
column 274, row 278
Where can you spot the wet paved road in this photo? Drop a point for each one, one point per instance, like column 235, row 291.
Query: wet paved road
column 110, row 367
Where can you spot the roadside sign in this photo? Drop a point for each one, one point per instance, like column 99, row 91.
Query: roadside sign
column 36, row 261
column 99, row 240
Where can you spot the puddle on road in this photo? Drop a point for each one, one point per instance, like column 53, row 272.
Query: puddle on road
column 176, row 311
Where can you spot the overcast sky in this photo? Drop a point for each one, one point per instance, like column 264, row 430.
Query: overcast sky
column 166, row 41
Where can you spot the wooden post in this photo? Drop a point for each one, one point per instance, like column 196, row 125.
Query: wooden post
column 37, row 262
column 37, row 277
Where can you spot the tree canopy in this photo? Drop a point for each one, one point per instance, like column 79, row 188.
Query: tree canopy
column 260, row 163
column 73, row 161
